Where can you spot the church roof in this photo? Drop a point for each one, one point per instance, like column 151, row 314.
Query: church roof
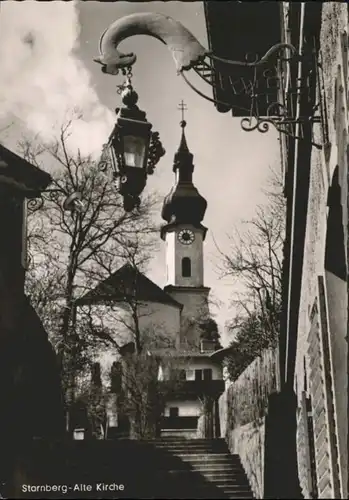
column 19, row 173
column 127, row 283
column 184, row 203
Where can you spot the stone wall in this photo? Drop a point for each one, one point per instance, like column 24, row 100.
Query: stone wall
column 321, row 240
column 248, row 441
column 243, row 407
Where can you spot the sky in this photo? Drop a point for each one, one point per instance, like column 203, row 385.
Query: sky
column 47, row 70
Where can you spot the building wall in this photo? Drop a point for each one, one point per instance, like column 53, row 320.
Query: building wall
column 185, row 408
column 192, row 364
column 243, row 408
column 157, row 322
column 195, row 308
column 176, row 251
column 332, row 306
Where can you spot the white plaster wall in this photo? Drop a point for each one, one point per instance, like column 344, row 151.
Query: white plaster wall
column 159, row 320
column 170, row 258
column 195, row 307
column 156, row 322
column 176, row 251
column 201, row 364
column 185, row 408
column 190, row 365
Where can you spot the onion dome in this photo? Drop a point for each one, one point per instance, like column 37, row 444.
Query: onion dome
column 184, row 204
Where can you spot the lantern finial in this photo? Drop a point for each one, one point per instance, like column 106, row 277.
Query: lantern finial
column 129, row 96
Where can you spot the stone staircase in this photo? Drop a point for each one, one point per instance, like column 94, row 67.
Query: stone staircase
column 169, row 468
column 202, row 468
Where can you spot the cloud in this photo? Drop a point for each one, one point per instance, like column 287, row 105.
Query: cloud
column 42, row 81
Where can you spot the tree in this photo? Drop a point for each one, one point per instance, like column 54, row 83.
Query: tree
column 71, row 251
column 92, row 400
column 148, row 381
column 254, row 260
column 121, row 305
column 210, row 332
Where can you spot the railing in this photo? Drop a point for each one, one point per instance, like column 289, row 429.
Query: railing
column 193, row 388
column 187, row 422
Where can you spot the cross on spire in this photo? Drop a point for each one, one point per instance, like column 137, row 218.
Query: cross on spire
column 182, row 107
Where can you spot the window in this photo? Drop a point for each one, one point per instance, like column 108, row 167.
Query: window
column 207, row 374
column 186, row 267
column 198, row 374
column 174, row 412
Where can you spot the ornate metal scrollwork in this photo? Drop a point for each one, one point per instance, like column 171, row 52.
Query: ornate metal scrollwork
column 71, row 203
column 261, row 80
column 246, row 84
column 105, row 161
column 156, row 151
column 249, row 124
column 35, row 204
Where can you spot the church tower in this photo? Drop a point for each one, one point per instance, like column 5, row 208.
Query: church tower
column 183, row 210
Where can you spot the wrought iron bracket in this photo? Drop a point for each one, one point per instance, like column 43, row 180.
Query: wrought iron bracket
column 245, row 82
column 259, row 80
column 71, row 203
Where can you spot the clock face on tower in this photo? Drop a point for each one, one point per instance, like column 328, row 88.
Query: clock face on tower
column 186, row 236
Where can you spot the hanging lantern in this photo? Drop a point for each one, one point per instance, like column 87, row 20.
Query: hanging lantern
column 132, row 149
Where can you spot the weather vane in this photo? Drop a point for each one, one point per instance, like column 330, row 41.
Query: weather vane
column 182, row 107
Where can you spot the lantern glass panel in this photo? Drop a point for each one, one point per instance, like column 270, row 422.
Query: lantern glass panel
column 134, row 151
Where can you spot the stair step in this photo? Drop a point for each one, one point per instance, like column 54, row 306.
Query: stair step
column 228, row 478
column 210, row 456
column 228, row 466
column 206, row 446
column 182, row 438
column 198, row 451
column 220, row 493
column 176, row 439
column 200, row 467
column 188, row 449
column 208, row 472
column 203, row 468
column 221, row 484
column 225, row 484
column 180, row 441
column 237, row 494
column 219, row 481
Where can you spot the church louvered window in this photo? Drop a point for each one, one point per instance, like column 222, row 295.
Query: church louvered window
column 186, row 267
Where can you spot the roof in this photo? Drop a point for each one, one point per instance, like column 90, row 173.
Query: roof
column 181, row 353
column 235, row 30
column 18, row 172
column 184, row 203
column 127, row 283
column 221, row 353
